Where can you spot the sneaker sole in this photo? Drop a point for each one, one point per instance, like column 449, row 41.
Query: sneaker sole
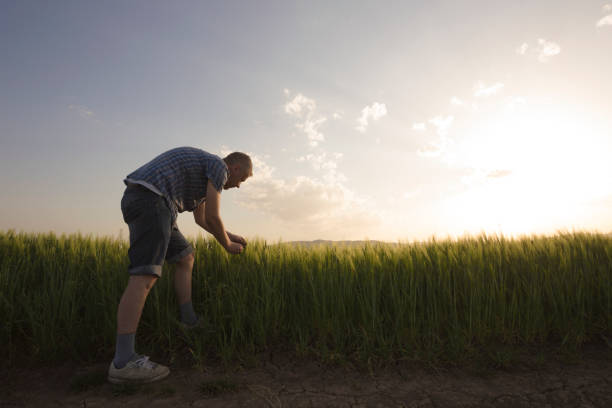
column 115, row 380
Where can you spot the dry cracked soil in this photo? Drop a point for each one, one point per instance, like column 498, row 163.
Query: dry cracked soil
column 283, row 381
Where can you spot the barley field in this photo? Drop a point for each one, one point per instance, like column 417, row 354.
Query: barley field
column 439, row 299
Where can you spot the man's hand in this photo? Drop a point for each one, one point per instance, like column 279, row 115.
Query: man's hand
column 237, row 238
column 211, row 221
column 234, row 248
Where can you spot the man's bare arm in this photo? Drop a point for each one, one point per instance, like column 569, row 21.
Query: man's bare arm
column 199, row 215
column 213, row 220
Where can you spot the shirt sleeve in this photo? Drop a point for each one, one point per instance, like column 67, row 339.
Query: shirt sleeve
column 217, row 174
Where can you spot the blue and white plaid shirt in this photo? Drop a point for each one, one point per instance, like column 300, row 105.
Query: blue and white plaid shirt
column 181, row 175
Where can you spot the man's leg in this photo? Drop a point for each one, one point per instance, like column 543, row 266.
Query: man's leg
column 182, row 284
column 149, row 219
column 132, row 302
column 128, row 316
column 127, row 366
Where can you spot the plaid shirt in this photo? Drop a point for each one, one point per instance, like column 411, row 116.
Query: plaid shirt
column 181, row 175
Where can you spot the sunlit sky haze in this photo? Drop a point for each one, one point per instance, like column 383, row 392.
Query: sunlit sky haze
column 389, row 120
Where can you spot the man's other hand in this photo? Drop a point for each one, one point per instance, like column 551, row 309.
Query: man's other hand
column 234, row 248
column 237, row 239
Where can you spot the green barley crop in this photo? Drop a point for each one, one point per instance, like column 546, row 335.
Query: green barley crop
column 59, row 296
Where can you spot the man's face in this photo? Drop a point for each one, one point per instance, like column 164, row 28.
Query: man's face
column 237, row 176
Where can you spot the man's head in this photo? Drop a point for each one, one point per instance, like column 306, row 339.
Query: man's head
column 240, row 168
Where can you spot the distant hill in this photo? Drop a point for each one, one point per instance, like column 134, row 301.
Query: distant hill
column 323, row 242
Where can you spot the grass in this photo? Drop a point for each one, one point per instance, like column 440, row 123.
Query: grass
column 439, row 300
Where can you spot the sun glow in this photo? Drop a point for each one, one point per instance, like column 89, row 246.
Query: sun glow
column 529, row 170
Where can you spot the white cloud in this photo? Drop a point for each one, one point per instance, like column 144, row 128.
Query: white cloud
column 480, row 176
column 411, row 194
column 311, row 128
column 337, row 115
column 305, row 109
column 606, row 8
column 83, row 111
column 499, row 173
column 315, row 207
column 481, row 90
column 515, row 101
column 299, row 105
column 544, row 49
column 606, row 21
column 456, row 101
column 547, row 49
column 522, row 49
column 437, row 147
column 374, row 112
column 442, row 124
column 419, row 127
column 465, row 104
column 318, row 161
column 326, row 164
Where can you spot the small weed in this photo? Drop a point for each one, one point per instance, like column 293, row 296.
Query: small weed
column 84, row 382
column 217, row 387
column 502, row 359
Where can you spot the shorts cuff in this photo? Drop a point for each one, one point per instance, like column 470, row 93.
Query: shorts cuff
column 180, row 255
column 155, row 270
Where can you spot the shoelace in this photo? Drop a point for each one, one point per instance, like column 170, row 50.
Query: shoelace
column 145, row 363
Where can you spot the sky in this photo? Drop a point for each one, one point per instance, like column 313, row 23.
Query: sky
column 387, row 120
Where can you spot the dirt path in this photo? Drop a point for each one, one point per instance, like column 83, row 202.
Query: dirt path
column 281, row 382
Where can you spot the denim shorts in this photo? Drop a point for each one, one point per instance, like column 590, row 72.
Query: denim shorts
column 153, row 236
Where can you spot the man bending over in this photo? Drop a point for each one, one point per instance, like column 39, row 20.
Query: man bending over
column 181, row 179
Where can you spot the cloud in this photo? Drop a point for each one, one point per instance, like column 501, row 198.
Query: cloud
column 315, row 207
column 442, row 124
column 419, row 127
column 437, row 147
column 606, row 21
column 547, row 49
column 411, row 194
column 322, row 162
column 456, row 101
column 299, row 105
column 544, row 49
column 499, row 173
column 311, row 129
column 374, row 112
column 522, row 49
column 465, row 104
column 480, row 176
column 83, row 111
column 481, row 90
column 513, row 102
column 304, row 109
column 606, row 8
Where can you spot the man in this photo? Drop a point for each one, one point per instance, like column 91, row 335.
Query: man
column 181, row 179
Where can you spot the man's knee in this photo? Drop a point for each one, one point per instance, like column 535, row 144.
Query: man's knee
column 186, row 261
column 143, row 282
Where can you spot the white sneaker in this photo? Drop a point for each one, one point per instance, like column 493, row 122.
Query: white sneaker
column 141, row 370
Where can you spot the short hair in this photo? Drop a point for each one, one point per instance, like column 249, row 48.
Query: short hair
column 240, row 158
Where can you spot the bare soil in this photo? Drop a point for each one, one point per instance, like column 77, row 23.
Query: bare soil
column 280, row 380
